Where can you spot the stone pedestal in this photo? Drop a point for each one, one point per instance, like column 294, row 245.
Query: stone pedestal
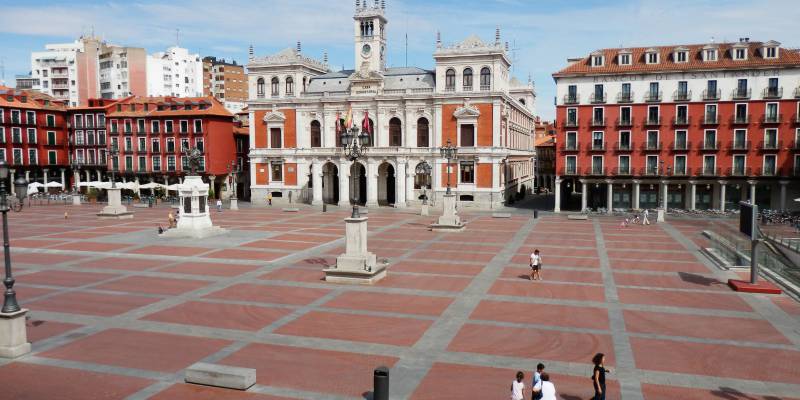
column 13, row 335
column 76, row 199
column 449, row 221
column 660, row 215
column 115, row 209
column 356, row 265
column 425, row 211
column 194, row 219
column 234, row 204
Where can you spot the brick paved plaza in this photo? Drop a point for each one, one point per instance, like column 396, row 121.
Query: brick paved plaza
column 117, row 313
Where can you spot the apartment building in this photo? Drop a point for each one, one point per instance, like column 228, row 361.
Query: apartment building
column 175, row 72
column 226, row 81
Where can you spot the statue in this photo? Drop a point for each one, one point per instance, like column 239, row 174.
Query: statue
column 194, row 155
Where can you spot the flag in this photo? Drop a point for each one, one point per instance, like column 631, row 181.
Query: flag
column 338, row 122
column 348, row 119
column 365, row 125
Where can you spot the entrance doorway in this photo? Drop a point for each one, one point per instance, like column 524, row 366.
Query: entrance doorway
column 358, row 184
column 330, row 183
column 386, row 181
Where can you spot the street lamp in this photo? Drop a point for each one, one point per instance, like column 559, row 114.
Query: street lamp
column 113, row 152
column 449, row 152
column 233, row 170
column 10, row 304
column 75, row 168
column 424, row 169
column 354, row 143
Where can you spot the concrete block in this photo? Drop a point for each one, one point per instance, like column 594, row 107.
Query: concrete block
column 13, row 335
column 221, row 376
column 582, row 217
column 501, row 215
column 291, row 209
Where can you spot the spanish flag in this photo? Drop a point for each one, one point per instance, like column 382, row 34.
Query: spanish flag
column 348, row 119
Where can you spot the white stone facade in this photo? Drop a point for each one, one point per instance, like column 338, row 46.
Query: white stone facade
column 174, row 72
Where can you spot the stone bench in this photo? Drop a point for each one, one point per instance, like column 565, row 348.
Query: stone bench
column 221, row 376
column 501, row 215
column 141, row 205
column 291, row 209
column 582, row 217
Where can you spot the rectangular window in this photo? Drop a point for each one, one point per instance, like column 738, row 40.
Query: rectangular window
column 709, row 165
column 277, row 172
column 168, row 126
column 652, row 140
column 572, row 140
column 142, row 144
column 15, row 119
column 30, row 117
column 625, row 59
column 741, row 113
column 275, row 138
column 198, row 142
column 624, row 165
column 51, row 120
column 770, row 139
column 683, row 90
column 681, row 140
column 16, row 135
column 185, row 144
column 653, row 115
column 101, row 138
column 79, row 156
column 654, row 95
column 710, row 139
column 770, row 164
column 597, row 140
column 140, row 126
column 17, row 156
column 711, row 88
column 740, row 139
column 572, row 116
column 142, row 163
column 89, row 121
column 680, row 165
column 680, row 56
column 625, row 116
column 738, row 165
column 101, row 120
column 597, row 165
column 741, row 88
column 772, row 52
column 682, row 114
column 626, row 90
column 31, row 135
column 652, row 165
column 128, row 163
column 51, row 138
column 170, row 163
column 572, row 93
column 198, row 126
column 599, row 94
column 154, row 127
column 184, row 126
column 156, row 160
column 771, row 113
column 711, row 113
column 571, row 167
column 52, row 157
column 467, row 172
column 33, row 158
column 3, row 155
column 467, row 135
column 652, row 58
column 128, row 126
column 625, row 140
column 114, row 126
column 2, row 134
column 170, row 145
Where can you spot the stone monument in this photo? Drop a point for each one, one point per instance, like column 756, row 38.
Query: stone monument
column 115, row 209
column 13, row 334
column 194, row 219
column 449, row 221
column 357, row 264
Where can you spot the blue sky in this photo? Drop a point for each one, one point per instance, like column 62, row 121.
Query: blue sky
column 544, row 33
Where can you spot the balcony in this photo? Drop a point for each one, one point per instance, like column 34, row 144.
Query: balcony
column 648, row 171
column 567, row 171
column 795, row 145
column 740, row 94
column 681, row 146
column 772, row 119
column 598, row 147
column 710, row 95
column 486, row 88
column 772, row 93
column 622, row 147
column 769, row 145
column 738, row 171
column 679, row 172
column 596, row 171
column 768, row 171
column 709, row 145
column 740, row 119
column 571, row 123
column 710, row 119
column 740, row 145
column 681, row 95
column 622, row 171
column 651, row 146
column 141, row 132
column 570, row 147
column 708, row 171
column 652, row 97
column 625, row 97
column 652, row 121
column 170, row 150
column 597, row 98
column 128, row 132
column 681, row 120
column 572, row 98
column 623, row 122
column 598, row 121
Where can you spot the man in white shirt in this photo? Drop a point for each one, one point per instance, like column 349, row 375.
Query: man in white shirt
column 546, row 388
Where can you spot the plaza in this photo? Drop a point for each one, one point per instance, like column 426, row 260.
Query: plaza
column 118, row 313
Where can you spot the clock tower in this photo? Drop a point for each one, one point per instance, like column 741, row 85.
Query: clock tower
column 370, row 37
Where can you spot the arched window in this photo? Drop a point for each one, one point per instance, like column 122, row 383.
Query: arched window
column 260, row 87
column 395, row 132
column 316, row 134
column 522, row 101
column 275, row 84
column 450, row 80
column 423, row 136
column 486, row 78
column 289, row 85
column 304, row 84
column 467, row 79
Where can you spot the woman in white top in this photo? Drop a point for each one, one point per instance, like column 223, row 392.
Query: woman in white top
column 547, row 389
column 518, row 387
column 536, row 265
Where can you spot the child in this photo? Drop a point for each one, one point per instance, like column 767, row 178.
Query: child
column 518, row 387
column 536, row 265
column 536, row 385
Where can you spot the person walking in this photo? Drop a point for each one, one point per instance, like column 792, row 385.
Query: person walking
column 548, row 389
column 269, row 199
column 536, row 384
column 170, row 220
column 518, row 387
column 219, row 205
column 645, row 217
column 536, row 265
column 599, row 376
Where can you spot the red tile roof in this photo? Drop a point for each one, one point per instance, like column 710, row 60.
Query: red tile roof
column 33, row 100
column 213, row 107
column 755, row 59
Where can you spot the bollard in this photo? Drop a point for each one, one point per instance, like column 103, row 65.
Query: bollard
column 380, row 383
column 535, row 214
column 324, row 207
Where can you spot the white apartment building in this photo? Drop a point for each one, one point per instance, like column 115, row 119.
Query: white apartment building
column 56, row 69
column 174, row 72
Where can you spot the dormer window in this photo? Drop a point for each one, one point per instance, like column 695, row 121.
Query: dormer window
column 651, row 57
column 710, row 55
column 597, row 60
column 771, row 52
column 740, row 53
column 624, row 59
column 681, row 56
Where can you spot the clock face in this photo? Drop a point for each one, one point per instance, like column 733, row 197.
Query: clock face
column 366, row 49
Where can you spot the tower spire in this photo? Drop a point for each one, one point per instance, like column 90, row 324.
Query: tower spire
column 438, row 39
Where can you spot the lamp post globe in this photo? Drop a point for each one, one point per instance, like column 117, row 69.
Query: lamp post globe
column 355, row 144
column 448, row 152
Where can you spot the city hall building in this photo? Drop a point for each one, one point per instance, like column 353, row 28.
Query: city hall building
column 468, row 100
column 692, row 127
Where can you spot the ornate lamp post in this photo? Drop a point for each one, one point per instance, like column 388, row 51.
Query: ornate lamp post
column 233, row 171
column 21, row 187
column 354, row 143
column 424, row 169
column 449, row 152
column 75, row 169
column 113, row 152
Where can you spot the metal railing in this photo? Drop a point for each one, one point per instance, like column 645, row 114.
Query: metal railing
column 710, row 119
column 772, row 118
column 711, row 94
column 709, row 145
column 681, row 95
column 741, row 119
column 597, row 98
column 651, row 146
column 681, row 145
column 653, row 96
column 681, row 120
column 653, row 120
column 740, row 145
column 599, row 121
column 772, row 93
column 740, row 94
column 572, row 99
column 770, row 145
column 625, row 97
column 624, row 122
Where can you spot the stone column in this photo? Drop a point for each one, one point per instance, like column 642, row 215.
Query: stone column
column 88, row 176
column 372, row 183
column 344, row 183
column 13, row 178
column 410, row 198
column 664, row 192
column 752, row 197
column 557, row 207
column 783, row 195
column 692, row 194
column 584, row 194
column 138, row 192
column 45, row 178
column 400, row 185
column 76, row 177
column 28, row 176
column 166, row 180
column 63, row 181
column 610, row 198
column 635, row 204
column 316, row 179
column 722, row 185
